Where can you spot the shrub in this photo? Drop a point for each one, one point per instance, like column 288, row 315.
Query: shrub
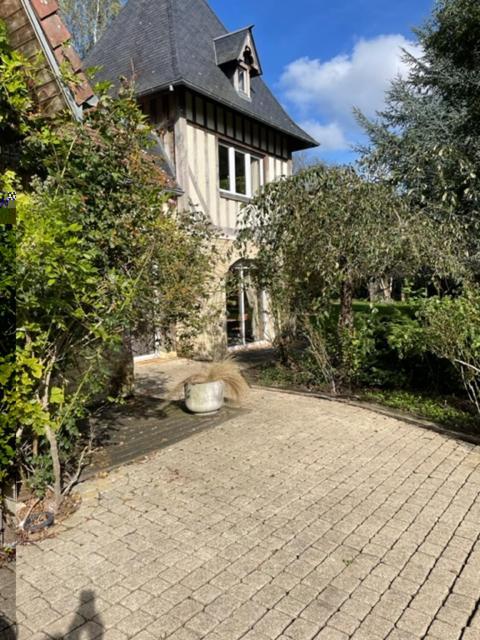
column 453, row 333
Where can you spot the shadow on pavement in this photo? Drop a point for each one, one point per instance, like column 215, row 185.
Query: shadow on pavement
column 93, row 629
column 7, row 631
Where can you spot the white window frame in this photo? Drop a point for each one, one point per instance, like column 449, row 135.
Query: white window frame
column 232, row 173
column 241, row 92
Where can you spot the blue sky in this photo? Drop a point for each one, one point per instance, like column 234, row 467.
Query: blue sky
column 322, row 57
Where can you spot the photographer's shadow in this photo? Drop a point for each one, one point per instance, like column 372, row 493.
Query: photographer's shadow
column 7, row 629
column 93, row 628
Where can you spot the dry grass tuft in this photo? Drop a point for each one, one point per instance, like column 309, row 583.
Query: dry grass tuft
column 229, row 372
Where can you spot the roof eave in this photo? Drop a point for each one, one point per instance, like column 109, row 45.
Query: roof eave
column 306, row 142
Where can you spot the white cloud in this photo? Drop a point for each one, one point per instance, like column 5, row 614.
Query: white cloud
column 326, row 92
column 330, row 136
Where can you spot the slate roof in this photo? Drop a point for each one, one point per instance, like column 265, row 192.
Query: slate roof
column 171, row 42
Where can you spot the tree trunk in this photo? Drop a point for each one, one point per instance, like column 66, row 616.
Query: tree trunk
column 52, row 437
column 345, row 331
column 381, row 290
column 122, row 382
column 345, row 321
column 57, row 468
column 96, row 21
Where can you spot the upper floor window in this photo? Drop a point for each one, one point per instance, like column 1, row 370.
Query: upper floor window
column 242, row 82
column 240, row 173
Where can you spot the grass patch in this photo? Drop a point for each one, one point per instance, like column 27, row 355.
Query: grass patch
column 276, row 375
column 448, row 412
column 443, row 411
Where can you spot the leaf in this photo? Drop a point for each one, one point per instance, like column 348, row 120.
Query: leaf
column 57, row 396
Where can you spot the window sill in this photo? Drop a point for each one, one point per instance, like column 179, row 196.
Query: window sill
column 228, row 195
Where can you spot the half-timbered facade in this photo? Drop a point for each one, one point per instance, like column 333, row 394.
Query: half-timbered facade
column 224, row 133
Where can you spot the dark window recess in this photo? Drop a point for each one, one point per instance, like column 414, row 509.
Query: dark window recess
column 210, row 116
column 199, row 111
column 220, row 120
column 224, row 168
column 230, row 131
column 240, row 177
column 153, row 110
column 239, row 128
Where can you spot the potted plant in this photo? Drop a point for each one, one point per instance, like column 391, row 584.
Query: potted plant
column 205, row 392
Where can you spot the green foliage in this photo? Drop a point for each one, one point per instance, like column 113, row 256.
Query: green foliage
column 278, row 375
column 7, row 338
column 453, row 332
column 427, row 140
column 15, row 99
column 441, row 410
column 99, row 248
column 323, row 233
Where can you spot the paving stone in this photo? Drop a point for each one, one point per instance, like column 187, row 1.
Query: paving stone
column 319, row 612
column 301, row 630
column 343, row 622
column 415, row 622
column 273, row 623
column 331, row 634
column 134, row 623
column 444, row 631
column 270, row 526
column 202, row 623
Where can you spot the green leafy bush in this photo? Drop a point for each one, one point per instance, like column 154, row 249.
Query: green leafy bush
column 452, row 330
column 438, row 409
column 99, row 247
column 7, row 337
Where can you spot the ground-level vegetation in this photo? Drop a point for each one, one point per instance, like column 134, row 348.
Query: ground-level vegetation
column 374, row 273
column 401, row 360
column 98, row 246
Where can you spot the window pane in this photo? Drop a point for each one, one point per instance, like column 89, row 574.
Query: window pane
column 256, row 175
column 240, row 178
column 223, row 168
column 242, row 81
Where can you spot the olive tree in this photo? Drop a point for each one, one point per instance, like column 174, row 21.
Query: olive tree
column 321, row 234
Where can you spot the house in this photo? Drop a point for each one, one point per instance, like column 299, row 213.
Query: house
column 223, row 131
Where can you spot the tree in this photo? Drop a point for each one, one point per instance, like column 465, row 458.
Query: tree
column 88, row 19
column 324, row 232
column 427, row 139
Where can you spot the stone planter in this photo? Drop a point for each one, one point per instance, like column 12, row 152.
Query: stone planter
column 205, row 398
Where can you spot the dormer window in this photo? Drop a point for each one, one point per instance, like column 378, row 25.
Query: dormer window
column 242, row 82
column 237, row 56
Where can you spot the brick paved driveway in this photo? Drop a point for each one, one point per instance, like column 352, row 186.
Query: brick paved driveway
column 301, row 519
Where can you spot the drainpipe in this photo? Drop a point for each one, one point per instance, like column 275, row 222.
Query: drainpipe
column 241, row 300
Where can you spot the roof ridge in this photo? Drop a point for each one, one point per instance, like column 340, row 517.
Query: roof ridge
column 231, row 33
